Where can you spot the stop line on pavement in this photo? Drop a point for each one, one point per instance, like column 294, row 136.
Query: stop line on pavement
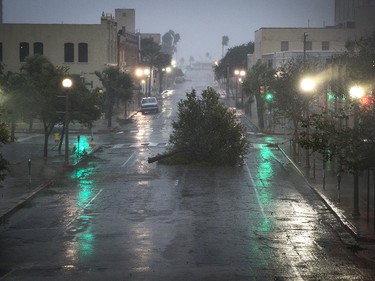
column 133, row 145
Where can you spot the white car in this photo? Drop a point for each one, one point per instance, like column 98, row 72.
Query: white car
column 149, row 104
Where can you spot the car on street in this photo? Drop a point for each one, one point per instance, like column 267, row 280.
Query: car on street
column 149, row 104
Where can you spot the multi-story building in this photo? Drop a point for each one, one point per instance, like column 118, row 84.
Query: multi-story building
column 125, row 19
column 84, row 48
column 353, row 19
column 276, row 45
column 357, row 14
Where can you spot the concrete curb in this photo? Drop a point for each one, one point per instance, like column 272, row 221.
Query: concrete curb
column 346, row 224
column 31, row 195
column 23, row 201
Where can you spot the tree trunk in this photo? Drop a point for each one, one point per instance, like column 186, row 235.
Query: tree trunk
column 260, row 110
column 30, row 125
column 295, row 138
column 110, row 112
column 166, row 155
column 61, row 138
column 45, row 150
column 47, row 131
column 110, row 108
column 12, row 131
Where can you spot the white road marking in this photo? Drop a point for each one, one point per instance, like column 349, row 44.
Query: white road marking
column 131, row 156
column 255, row 189
column 84, row 208
column 292, row 263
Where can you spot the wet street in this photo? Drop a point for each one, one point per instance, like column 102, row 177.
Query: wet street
column 117, row 217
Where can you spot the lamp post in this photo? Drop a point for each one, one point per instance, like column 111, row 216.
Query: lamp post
column 355, row 93
column 239, row 74
column 147, row 73
column 67, row 84
column 139, row 75
column 305, row 34
column 308, row 86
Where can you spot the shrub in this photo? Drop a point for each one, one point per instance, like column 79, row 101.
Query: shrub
column 207, row 132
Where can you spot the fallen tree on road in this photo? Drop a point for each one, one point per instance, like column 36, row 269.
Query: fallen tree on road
column 206, row 132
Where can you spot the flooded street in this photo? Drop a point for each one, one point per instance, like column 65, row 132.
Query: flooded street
column 117, row 217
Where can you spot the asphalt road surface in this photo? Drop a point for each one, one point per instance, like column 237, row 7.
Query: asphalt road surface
column 117, row 217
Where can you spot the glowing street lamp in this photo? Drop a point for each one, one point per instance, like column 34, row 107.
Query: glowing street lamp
column 239, row 74
column 356, row 92
column 307, row 86
column 67, row 84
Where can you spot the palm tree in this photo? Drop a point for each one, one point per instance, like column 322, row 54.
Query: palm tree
column 118, row 85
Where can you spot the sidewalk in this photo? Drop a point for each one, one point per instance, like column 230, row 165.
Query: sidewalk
column 26, row 178
column 337, row 198
column 19, row 186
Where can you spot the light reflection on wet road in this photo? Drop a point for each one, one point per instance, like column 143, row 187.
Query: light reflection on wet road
column 119, row 218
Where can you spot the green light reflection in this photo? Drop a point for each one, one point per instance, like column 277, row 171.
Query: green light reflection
column 263, row 183
column 83, row 247
column 85, row 243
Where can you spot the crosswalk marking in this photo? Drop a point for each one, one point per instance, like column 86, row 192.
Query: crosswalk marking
column 164, row 144
column 143, row 144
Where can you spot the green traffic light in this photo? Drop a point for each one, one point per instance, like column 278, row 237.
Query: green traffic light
column 269, row 96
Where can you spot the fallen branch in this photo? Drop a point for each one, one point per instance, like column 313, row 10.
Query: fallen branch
column 165, row 155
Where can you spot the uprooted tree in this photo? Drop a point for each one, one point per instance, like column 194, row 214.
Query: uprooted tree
column 205, row 132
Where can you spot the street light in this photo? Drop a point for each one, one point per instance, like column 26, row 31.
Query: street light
column 356, row 93
column 67, row 84
column 307, row 85
column 239, row 73
column 147, row 73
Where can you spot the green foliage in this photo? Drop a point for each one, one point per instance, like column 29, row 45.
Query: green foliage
column 84, row 105
column 119, row 87
column 169, row 42
column 258, row 76
column 150, row 51
column 206, row 131
column 361, row 58
column 323, row 137
column 236, row 57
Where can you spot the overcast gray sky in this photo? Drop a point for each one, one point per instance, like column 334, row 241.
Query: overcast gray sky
column 201, row 23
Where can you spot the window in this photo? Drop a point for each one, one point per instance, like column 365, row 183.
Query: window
column 68, row 52
column 325, row 45
column 83, row 52
column 308, row 45
column 1, row 52
column 24, row 50
column 284, row 46
column 38, row 48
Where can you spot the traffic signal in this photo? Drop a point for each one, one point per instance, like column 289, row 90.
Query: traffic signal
column 366, row 101
column 330, row 96
column 269, row 96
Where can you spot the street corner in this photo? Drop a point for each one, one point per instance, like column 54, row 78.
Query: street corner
column 77, row 159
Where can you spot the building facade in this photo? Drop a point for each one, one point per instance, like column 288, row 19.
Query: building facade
column 276, row 45
column 357, row 14
column 353, row 19
column 84, row 48
column 125, row 19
